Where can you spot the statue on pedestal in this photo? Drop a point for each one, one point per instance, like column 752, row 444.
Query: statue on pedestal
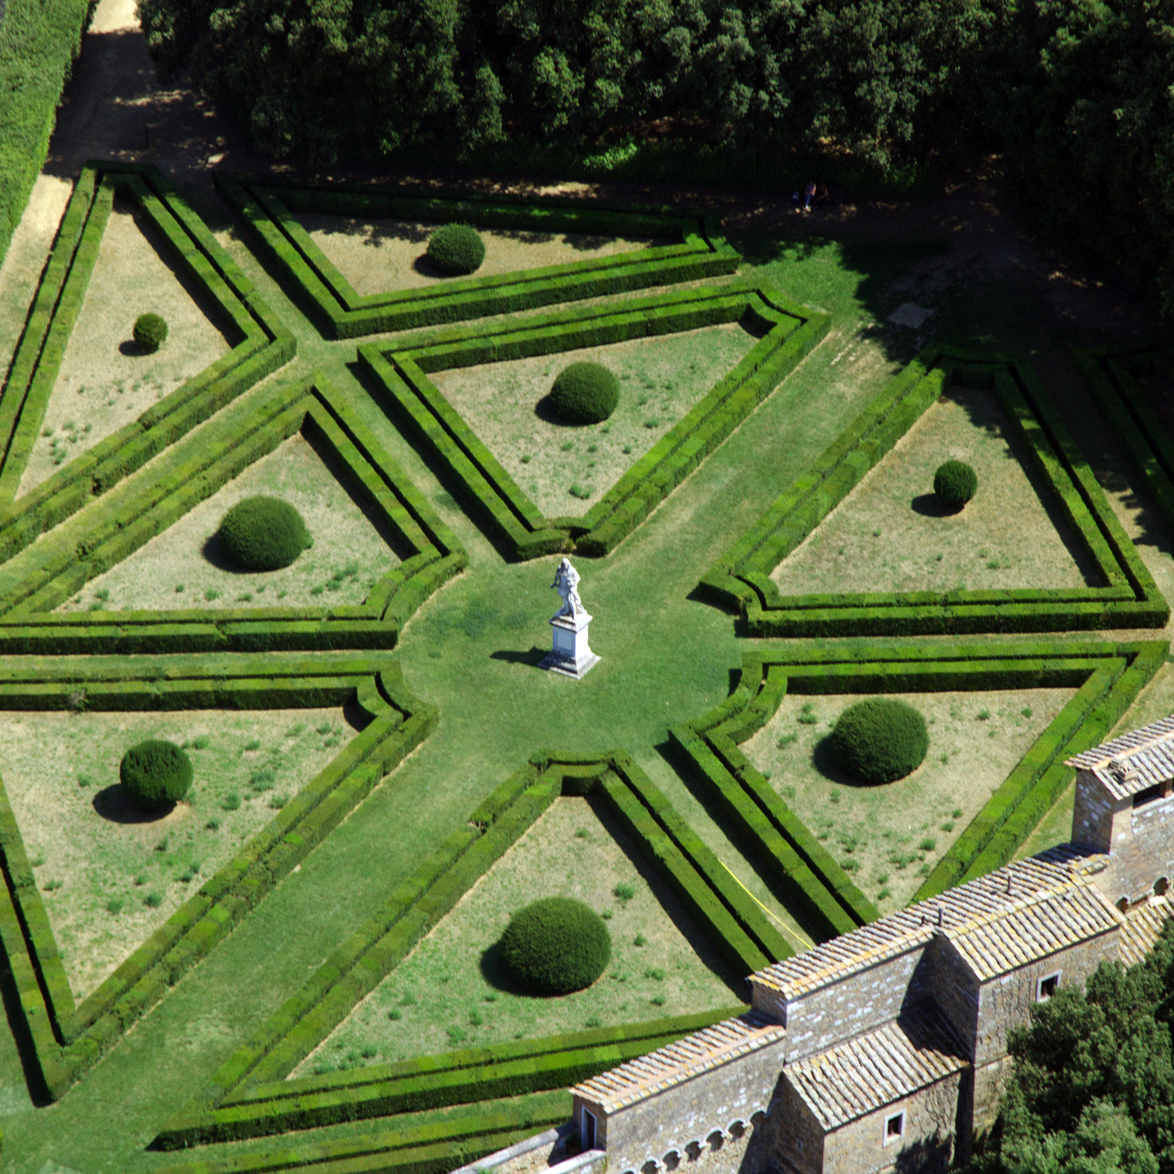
column 570, row 654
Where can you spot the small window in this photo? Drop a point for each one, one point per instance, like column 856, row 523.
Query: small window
column 1158, row 791
column 1045, row 988
column 894, row 1127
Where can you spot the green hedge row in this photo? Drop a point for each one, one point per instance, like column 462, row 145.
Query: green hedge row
column 732, row 921
column 1129, row 598
column 68, row 1039
column 818, row 891
column 1111, row 375
column 1108, row 678
column 263, row 345
column 38, row 41
column 342, row 313
column 432, row 1143
column 187, row 475
column 461, row 1077
column 402, row 375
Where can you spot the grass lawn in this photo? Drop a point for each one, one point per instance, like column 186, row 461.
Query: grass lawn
column 184, row 566
column 565, row 469
column 109, row 874
column 449, row 993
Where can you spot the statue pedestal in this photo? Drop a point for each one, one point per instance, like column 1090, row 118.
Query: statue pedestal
column 570, row 654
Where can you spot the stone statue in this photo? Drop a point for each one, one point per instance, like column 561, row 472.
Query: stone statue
column 566, row 579
column 570, row 654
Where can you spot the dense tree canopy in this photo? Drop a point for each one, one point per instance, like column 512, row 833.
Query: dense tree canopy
column 1092, row 1090
column 1078, row 93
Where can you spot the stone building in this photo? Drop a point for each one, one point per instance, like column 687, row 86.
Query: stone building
column 886, row 1048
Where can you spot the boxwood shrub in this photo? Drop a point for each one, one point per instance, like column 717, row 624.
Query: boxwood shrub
column 150, row 333
column 955, row 483
column 585, row 393
column 456, row 249
column 555, row 946
column 879, row 740
column 155, row 774
column 263, row 534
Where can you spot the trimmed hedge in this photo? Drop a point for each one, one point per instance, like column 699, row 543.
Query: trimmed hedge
column 400, row 375
column 724, row 911
column 424, row 1143
column 268, row 208
column 68, row 1040
column 741, row 581
column 879, row 740
column 1107, row 676
column 155, row 774
column 263, row 346
column 263, row 534
column 554, row 946
column 191, row 472
column 1111, row 375
column 38, row 41
column 456, row 249
column 471, row 1075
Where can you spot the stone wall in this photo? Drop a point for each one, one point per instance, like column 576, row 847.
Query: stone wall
column 1092, row 813
column 865, row 999
column 927, row 1144
column 1006, row 1002
column 1141, row 848
column 946, row 981
column 662, row 1129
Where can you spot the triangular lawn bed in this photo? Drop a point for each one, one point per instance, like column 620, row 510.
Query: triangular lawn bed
column 67, row 1039
column 105, row 381
column 659, row 957
column 109, row 874
column 400, row 376
column 1107, row 677
column 271, row 208
column 891, row 534
column 264, row 345
column 1128, row 598
column 191, row 472
column 252, row 1096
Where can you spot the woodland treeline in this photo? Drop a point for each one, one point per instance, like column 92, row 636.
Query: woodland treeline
column 1078, row 95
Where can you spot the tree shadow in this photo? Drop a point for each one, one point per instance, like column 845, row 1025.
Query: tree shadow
column 214, row 553
column 112, row 804
column 929, row 505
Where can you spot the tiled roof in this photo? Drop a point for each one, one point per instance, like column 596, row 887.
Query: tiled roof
column 1133, row 762
column 1143, row 923
column 875, row 1069
column 689, row 1057
column 1012, row 916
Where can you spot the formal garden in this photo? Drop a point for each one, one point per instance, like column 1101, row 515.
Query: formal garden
column 308, row 864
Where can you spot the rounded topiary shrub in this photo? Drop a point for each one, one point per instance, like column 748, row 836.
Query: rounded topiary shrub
column 585, row 393
column 555, row 946
column 155, row 774
column 879, row 740
column 955, row 484
column 456, row 249
column 150, row 333
column 263, row 534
